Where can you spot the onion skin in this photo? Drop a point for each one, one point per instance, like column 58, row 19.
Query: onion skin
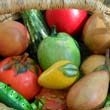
column 91, row 63
column 95, row 35
column 14, row 38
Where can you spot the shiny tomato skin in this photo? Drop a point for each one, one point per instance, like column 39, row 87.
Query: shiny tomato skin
column 27, row 86
column 29, row 90
column 66, row 20
column 24, row 83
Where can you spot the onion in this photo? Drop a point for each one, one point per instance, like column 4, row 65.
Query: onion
column 95, row 35
column 91, row 63
column 14, row 38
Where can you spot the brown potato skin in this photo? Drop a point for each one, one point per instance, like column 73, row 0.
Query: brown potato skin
column 90, row 92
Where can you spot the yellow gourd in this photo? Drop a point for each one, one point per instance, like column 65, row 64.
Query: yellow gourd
column 60, row 75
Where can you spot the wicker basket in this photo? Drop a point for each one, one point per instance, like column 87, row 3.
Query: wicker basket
column 7, row 17
column 10, row 7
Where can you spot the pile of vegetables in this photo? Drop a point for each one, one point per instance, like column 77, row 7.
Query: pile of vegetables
column 55, row 60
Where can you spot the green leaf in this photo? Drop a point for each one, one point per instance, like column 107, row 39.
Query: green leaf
column 69, row 70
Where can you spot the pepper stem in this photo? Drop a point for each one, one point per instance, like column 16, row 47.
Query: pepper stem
column 54, row 32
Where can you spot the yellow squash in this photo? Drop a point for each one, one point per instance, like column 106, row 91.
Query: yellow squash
column 60, row 75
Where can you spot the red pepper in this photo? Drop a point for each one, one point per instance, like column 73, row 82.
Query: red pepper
column 70, row 21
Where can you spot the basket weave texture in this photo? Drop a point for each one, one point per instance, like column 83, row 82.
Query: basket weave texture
column 13, row 6
column 9, row 8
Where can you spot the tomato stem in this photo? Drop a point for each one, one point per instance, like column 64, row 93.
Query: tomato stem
column 24, row 58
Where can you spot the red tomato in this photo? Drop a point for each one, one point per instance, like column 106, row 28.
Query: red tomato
column 54, row 99
column 66, row 20
column 20, row 73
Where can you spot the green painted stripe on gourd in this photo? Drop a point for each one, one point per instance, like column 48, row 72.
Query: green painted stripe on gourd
column 37, row 28
column 69, row 70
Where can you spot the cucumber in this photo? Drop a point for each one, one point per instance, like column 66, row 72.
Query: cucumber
column 37, row 28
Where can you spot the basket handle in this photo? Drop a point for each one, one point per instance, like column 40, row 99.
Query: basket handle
column 13, row 6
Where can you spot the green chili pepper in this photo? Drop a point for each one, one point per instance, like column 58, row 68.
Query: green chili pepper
column 13, row 99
